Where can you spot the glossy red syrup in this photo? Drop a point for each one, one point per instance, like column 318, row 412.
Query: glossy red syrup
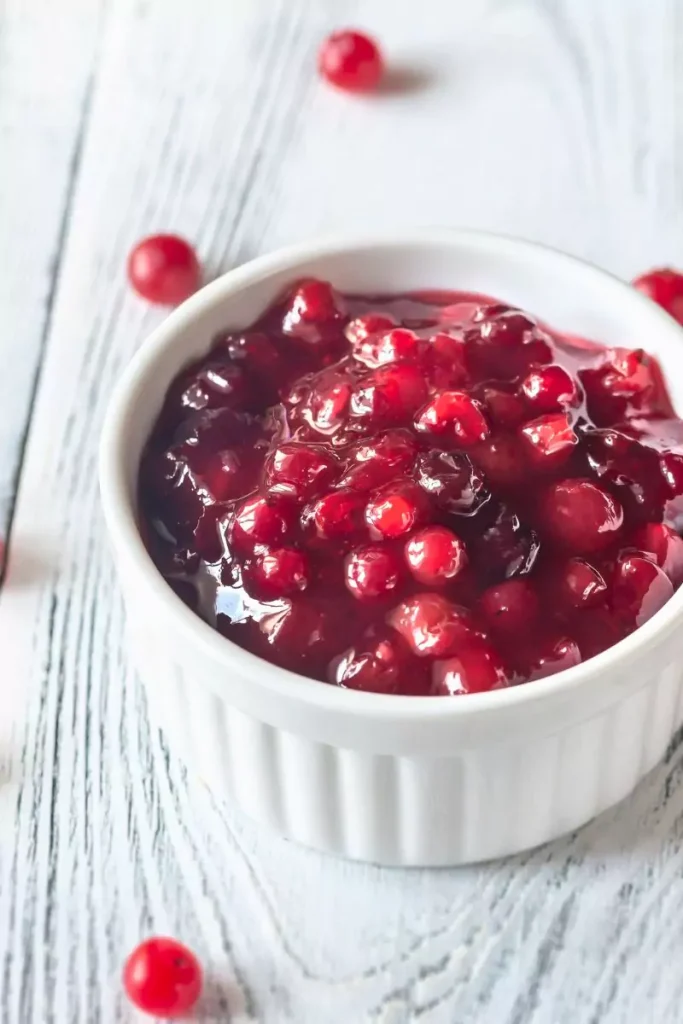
column 416, row 494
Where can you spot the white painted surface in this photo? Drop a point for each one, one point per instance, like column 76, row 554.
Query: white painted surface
column 556, row 120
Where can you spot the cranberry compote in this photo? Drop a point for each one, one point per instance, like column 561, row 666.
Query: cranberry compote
column 428, row 494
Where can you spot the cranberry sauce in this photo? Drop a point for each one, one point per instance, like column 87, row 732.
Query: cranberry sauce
column 426, row 494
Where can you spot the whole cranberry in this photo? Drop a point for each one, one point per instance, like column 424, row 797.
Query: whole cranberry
column 477, row 668
column 278, row 572
column 327, row 405
column 549, row 441
column 581, row 515
column 395, row 509
column 580, row 584
column 302, row 470
column 212, row 386
column 510, row 608
column 435, row 555
column 503, row 458
column 431, row 625
column 303, row 630
column 261, row 520
column 444, row 361
column 313, row 310
column 632, row 471
column 163, row 978
column 626, row 382
column 550, row 388
column 164, row 269
column 397, row 345
column 339, row 515
column 507, row 547
column 504, row 343
column 387, row 397
column 665, row 287
column 378, row 460
column 452, row 481
column 456, row 415
column 363, row 327
column 372, row 571
column 351, row 60
column 504, row 408
column 664, row 546
column 639, row 589
column 373, row 665
column 253, row 352
column 551, row 655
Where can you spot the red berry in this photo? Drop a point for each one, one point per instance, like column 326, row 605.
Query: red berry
column 505, row 409
column 506, row 548
column 550, row 656
column 394, row 346
column 664, row 546
column 253, row 351
column 550, row 440
column 338, row 515
column 373, row 665
column 626, row 382
column 431, row 625
column 389, row 396
column 313, row 310
column 581, row 515
column 278, row 572
column 212, row 386
column 351, row 61
column 503, row 459
column 476, row 668
column 164, row 269
column 435, row 555
column 395, row 509
column 303, row 631
column 510, row 608
column 327, row 405
column 372, row 572
column 456, row 414
column 260, row 520
column 639, row 589
column 581, row 585
column 302, row 470
column 363, row 327
column 503, row 343
column 452, row 482
column 550, row 388
column 378, row 460
column 445, row 361
column 665, row 287
column 632, row 471
column 163, row 978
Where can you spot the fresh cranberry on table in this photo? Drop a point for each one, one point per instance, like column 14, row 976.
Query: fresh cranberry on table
column 163, row 978
column 351, row 60
column 164, row 269
column 428, row 494
column 665, row 287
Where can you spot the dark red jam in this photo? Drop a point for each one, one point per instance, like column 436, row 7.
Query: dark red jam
column 416, row 494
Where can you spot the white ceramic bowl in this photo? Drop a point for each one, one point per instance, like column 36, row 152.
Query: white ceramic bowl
column 394, row 780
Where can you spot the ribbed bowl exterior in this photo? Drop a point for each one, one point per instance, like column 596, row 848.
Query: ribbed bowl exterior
column 409, row 811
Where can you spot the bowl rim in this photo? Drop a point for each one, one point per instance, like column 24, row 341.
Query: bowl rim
column 121, row 523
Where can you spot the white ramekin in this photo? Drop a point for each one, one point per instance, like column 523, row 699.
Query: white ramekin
column 394, row 780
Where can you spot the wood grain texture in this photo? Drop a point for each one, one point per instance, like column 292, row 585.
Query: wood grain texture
column 556, row 119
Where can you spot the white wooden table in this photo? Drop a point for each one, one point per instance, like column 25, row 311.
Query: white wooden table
column 560, row 120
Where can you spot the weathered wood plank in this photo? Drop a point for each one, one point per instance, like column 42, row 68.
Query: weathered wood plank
column 558, row 121
column 46, row 78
